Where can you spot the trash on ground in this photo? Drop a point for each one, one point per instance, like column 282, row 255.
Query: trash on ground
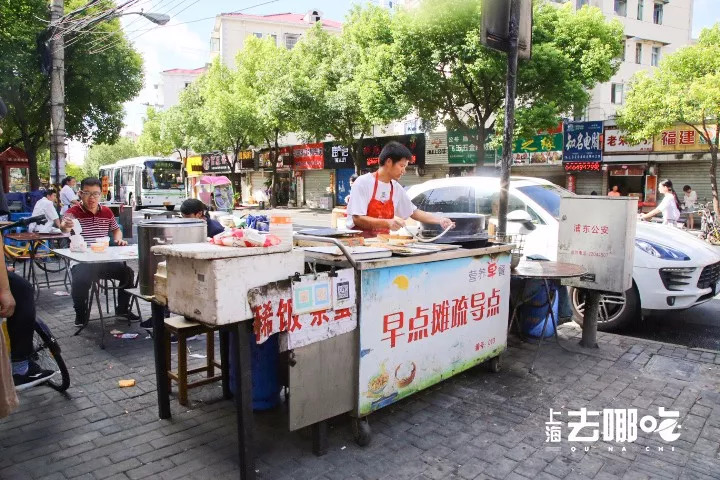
column 197, row 355
column 61, row 293
column 126, row 383
column 127, row 335
column 115, row 332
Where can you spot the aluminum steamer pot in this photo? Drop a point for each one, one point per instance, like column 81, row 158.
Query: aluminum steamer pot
column 469, row 227
column 164, row 232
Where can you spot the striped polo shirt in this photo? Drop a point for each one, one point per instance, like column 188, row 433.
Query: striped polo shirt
column 95, row 225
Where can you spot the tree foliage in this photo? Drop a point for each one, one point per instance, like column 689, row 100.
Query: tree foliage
column 97, row 80
column 449, row 77
column 104, row 154
column 684, row 89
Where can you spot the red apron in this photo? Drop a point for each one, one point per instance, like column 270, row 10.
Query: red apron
column 378, row 209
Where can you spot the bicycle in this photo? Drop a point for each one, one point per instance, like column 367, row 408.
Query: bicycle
column 709, row 229
column 46, row 351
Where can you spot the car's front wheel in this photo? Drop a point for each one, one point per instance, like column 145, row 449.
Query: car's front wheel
column 616, row 310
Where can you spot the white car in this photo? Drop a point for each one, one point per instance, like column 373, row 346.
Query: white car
column 672, row 269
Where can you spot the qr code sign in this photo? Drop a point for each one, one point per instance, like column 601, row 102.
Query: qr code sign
column 343, row 290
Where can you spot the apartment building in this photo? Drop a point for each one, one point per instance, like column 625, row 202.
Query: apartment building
column 172, row 82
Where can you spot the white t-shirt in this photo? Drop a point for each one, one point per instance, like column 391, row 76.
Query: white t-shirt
column 46, row 207
column 690, row 200
column 669, row 209
column 67, row 195
column 361, row 194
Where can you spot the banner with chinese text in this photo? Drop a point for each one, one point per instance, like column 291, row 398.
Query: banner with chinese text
column 245, row 160
column 544, row 149
column 582, row 142
column 423, row 323
column 216, row 163
column 308, row 157
column 681, row 139
column 614, row 141
column 371, row 148
column 336, row 156
column 285, row 160
column 463, row 151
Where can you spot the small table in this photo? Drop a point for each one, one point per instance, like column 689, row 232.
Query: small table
column 111, row 255
column 547, row 272
column 35, row 240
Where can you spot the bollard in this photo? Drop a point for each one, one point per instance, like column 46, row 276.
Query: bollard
column 589, row 330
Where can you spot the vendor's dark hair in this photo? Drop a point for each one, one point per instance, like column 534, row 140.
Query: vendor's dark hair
column 395, row 151
column 192, row 206
column 668, row 184
column 687, row 188
column 353, row 177
column 90, row 182
column 66, row 180
column 50, row 191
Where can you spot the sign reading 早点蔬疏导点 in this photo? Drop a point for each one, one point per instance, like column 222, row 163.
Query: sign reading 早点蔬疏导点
column 582, row 141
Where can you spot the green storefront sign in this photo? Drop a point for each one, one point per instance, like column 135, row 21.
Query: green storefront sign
column 462, row 150
column 541, row 149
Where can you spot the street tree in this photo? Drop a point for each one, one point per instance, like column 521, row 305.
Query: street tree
column 449, row 77
column 182, row 127
column 684, row 89
column 99, row 77
column 151, row 142
column 264, row 77
column 344, row 84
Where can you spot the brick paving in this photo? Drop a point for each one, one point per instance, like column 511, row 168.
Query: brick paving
column 477, row 425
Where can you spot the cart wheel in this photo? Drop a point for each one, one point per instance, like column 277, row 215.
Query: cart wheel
column 361, row 431
column 495, row 364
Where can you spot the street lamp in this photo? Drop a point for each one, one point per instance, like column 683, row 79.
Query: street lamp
column 57, row 79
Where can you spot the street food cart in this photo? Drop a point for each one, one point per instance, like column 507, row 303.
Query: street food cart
column 215, row 191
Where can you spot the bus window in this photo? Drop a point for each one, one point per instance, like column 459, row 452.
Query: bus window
column 162, row 175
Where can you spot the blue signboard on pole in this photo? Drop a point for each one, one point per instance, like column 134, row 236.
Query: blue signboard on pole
column 342, row 187
column 582, row 142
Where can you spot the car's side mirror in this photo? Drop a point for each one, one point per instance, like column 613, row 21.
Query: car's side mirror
column 521, row 218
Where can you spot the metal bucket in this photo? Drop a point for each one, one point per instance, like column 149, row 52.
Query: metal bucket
column 164, row 232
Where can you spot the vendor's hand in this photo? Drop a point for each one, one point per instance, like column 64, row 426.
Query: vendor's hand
column 395, row 224
column 121, row 243
column 7, row 304
column 641, row 217
column 446, row 223
column 66, row 223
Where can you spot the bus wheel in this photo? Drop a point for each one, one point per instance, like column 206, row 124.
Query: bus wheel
column 170, row 207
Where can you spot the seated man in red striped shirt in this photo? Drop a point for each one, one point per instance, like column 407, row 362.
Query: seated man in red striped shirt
column 96, row 222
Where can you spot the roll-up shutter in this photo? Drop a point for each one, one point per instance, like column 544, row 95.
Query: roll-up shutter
column 316, row 183
column 257, row 179
column 588, row 182
column 695, row 174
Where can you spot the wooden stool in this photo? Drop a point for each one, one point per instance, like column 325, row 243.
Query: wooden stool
column 183, row 329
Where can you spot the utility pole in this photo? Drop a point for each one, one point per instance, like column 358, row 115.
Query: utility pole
column 57, row 94
column 510, row 87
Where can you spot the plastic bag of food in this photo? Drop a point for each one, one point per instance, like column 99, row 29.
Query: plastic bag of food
column 246, row 237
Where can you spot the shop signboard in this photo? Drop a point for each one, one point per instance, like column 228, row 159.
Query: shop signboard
column 681, row 139
column 336, row 156
column 308, row 156
column 543, row 149
column 371, row 148
column 245, row 160
column 284, row 162
column 194, row 166
column 650, row 196
column 615, row 141
column 415, row 333
column 582, row 166
column 582, row 142
column 463, row 151
column 216, row 162
column 436, row 148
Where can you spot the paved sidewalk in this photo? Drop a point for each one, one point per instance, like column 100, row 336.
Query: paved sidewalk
column 477, row 425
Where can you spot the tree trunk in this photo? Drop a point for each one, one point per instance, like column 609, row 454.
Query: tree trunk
column 713, row 178
column 480, row 154
column 274, row 184
column 31, row 152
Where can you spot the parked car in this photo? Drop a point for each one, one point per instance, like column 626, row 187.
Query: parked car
column 672, row 269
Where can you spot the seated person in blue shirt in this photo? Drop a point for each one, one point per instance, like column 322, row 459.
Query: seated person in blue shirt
column 194, row 208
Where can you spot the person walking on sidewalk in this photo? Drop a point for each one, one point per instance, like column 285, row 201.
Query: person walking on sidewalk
column 96, row 222
column 689, row 202
column 669, row 206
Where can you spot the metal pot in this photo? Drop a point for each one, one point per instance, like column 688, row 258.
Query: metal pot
column 164, row 232
column 469, row 227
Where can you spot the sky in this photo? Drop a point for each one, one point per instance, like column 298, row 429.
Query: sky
column 187, row 45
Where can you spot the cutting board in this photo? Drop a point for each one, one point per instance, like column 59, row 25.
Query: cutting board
column 358, row 253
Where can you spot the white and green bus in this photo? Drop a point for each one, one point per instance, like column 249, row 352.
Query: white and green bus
column 144, row 182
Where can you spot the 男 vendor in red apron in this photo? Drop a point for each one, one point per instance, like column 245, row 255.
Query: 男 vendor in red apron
column 379, row 204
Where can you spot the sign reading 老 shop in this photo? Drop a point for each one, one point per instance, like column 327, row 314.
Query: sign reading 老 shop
column 615, row 141
column 582, row 142
column 425, row 322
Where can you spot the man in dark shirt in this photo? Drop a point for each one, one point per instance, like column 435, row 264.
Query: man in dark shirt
column 96, row 222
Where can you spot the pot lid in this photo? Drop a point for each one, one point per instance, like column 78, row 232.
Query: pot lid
column 174, row 222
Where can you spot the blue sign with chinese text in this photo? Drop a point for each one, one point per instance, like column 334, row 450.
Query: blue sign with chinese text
column 582, row 142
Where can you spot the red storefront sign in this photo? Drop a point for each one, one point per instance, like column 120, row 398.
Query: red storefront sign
column 308, row 157
column 582, row 166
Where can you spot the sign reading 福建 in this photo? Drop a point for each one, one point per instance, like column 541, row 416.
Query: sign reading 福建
column 582, row 142
column 273, row 312
column 682, row 139
column 615, row 141
column 308, row 156
column 425, row 322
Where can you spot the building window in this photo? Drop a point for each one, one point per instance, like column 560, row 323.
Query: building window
column 274, row 38
column 291, row 40
column 638, row 53
column 657, row 13
column 215, row 44
column 641, row 4
column 616, row 93
column 621, row 8
column 624, row 54
column 581, row 3
column 655, row 58
column 257, row 34
column 187, row 84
